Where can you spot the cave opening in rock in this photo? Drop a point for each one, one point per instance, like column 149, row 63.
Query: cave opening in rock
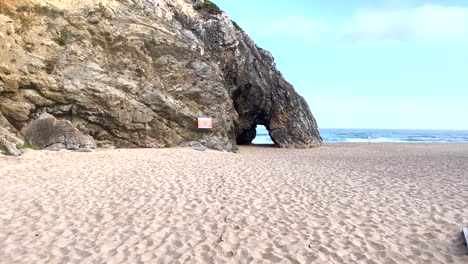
column 262, row 136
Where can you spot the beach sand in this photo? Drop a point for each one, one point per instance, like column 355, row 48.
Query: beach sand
column 341, row 203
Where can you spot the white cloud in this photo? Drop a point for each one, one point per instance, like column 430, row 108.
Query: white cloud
column 287, row 26
column 440, row 22
column 427, row 21
column 389, row 23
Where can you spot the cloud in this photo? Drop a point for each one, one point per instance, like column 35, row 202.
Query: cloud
column 437, row 21
column 427, row 21
column 287, row 26
column 391, row 22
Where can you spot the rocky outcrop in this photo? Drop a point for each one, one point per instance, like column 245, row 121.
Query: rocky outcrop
column 260, row 93
column 46, row 132
column 10, row 138
column 194, row 145
column 9, row 143
column 138, row 73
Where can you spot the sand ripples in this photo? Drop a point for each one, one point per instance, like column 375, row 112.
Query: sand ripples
column 350, row 203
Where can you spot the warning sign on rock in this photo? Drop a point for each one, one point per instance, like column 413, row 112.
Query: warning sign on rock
column 205, row 123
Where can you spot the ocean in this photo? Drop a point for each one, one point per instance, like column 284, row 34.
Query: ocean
column 377, row 135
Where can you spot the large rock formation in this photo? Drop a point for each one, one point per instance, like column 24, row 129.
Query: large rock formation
column 139, row 73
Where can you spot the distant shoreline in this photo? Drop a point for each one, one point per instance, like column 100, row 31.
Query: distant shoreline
column 380, row 135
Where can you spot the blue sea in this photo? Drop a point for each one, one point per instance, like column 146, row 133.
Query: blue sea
column 377, row 135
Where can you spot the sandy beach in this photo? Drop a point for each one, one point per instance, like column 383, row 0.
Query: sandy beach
column 341, row 203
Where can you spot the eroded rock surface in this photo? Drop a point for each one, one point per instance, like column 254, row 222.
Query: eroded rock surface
column 9, row 143
column 10, row 138
column 260, row 93
column 138, row 73
column 47, row 132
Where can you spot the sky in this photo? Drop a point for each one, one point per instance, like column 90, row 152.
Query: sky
column 389, row 64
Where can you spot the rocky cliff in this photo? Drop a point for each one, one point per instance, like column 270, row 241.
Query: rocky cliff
column 138, row 73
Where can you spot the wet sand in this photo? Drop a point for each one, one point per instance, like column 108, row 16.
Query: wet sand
column 341, row 203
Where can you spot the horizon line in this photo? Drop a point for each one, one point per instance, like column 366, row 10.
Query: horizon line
column 434, row 129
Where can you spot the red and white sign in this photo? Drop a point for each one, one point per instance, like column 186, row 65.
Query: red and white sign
column 205, row 123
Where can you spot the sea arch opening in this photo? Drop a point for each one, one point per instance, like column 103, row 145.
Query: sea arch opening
column 258, row 135
column 262, row 136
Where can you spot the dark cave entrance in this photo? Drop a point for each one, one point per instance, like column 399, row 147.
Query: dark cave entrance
column 254, row 116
